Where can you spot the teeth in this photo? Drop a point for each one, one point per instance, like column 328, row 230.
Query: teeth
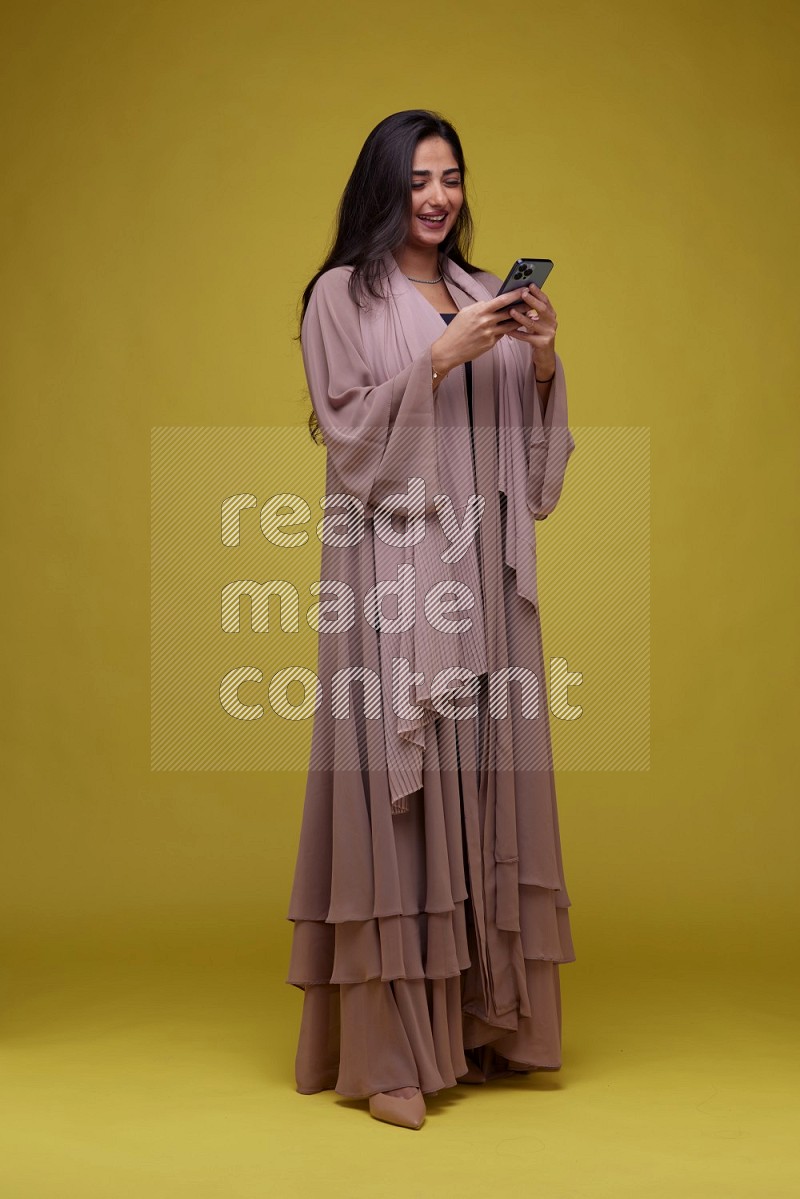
column 436, row 219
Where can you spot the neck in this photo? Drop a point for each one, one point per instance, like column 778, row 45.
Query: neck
column 421, row 263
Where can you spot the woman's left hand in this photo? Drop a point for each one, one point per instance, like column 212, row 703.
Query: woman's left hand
column 537, row 326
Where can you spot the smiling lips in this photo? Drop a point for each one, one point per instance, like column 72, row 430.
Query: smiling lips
column 433, row 220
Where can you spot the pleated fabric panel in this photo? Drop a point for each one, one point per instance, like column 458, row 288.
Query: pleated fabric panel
column 384, row 940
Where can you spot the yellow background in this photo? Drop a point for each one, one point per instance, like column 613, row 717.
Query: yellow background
column 171, row 172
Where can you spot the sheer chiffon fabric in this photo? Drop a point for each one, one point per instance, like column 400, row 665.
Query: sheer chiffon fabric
column 430, row 941
column 399, row 1000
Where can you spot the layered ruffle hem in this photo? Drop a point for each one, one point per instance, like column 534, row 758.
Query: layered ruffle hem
column 414, row 943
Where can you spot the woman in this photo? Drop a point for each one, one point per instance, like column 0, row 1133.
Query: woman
column 429, row 903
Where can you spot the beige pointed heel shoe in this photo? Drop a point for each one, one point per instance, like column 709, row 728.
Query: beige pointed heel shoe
column 394, row 1109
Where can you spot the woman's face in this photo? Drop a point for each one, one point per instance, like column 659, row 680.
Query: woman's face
column 436, row 190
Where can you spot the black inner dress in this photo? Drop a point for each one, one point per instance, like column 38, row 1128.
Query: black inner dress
column 447, row 317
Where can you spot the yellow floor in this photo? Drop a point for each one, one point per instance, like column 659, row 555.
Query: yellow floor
column 128, row 1079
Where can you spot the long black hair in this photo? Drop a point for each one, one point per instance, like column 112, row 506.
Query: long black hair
column 373, row 213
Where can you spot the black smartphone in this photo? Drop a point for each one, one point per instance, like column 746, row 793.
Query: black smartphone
column 525, row 270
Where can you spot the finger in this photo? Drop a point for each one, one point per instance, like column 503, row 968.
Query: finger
column 532, row 339
column 503, row 326
column 505, row 320
column 507, row 297
column 538, row 295
column 537, row 291
column 530, row 315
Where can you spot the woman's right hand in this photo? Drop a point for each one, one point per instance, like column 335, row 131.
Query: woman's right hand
column 474, row 330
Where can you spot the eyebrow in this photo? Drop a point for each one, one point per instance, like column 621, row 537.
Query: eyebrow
column 448, row 171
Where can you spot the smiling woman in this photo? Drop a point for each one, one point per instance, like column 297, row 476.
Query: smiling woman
column 410, row 167
column 436, row 202
column 429, row 904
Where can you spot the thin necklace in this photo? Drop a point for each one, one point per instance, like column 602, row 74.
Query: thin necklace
column 413, row 280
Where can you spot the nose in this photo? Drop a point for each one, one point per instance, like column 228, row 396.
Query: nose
column 439, row 197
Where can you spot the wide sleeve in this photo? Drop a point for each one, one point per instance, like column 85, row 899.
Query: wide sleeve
column 373, row 430
column 549, row 437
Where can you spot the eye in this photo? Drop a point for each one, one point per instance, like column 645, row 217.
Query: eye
column 450, row 183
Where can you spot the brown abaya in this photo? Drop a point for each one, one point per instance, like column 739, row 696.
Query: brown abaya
column 429, row 906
